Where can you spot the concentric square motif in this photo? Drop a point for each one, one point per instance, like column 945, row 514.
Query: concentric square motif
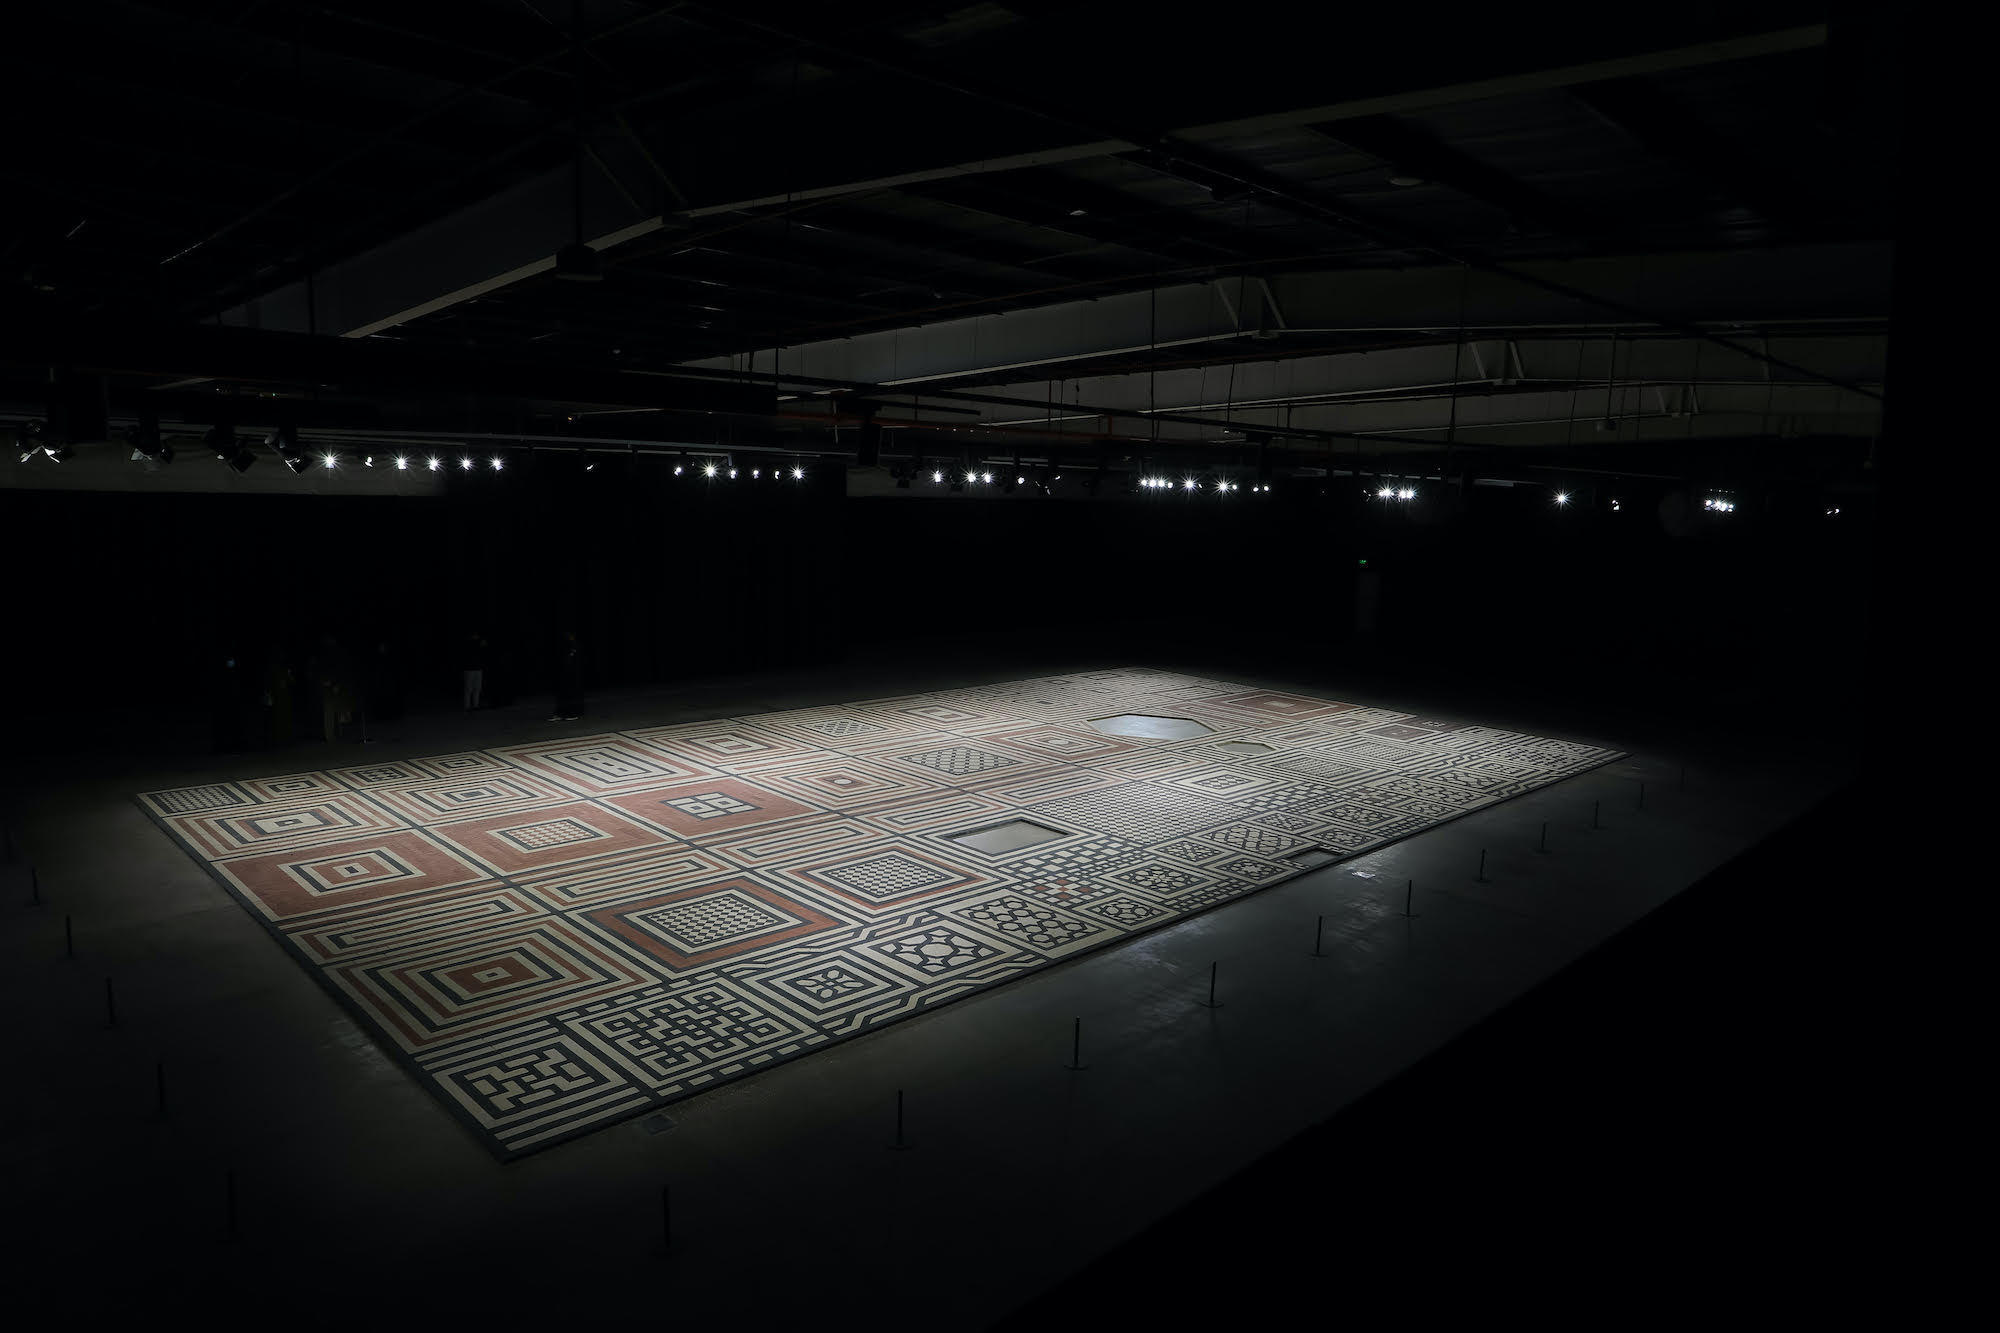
column 189, row 800
column 434, row 992
column 282, row 885
column 734, row 745
column 604, row 765
column 320, row 818
column 296, row 787
column 556, row 936
column 841, row 782
column 428, row 799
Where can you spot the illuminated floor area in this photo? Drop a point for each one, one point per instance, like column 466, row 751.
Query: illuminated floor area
column 561, row 935
column 784, row 1183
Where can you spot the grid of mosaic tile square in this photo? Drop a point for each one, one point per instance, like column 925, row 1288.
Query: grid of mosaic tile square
column 556, row 936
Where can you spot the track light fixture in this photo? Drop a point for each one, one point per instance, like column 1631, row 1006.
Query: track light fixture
column 147, row 446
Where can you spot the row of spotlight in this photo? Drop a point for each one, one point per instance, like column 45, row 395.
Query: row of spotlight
column 1193, row 484
column 284, row 441
column 148, row 446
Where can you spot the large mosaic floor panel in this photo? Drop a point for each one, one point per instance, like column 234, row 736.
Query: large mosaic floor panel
column 558, row 935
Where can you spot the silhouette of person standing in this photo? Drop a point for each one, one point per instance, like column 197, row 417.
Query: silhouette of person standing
column 475, row 669
column 569, row 679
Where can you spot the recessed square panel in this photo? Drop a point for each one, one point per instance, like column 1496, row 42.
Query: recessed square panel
column 1149, row 727
column 1011, row 836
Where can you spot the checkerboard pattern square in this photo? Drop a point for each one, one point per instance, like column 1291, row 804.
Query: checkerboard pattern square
column 558, row 936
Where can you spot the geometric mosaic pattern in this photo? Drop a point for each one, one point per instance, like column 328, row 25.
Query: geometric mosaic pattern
column 556, row 936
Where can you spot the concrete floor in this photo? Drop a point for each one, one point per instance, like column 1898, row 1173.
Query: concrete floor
column 358, row 1197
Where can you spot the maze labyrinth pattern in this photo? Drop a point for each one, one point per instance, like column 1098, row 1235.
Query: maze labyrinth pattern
column 557, row 936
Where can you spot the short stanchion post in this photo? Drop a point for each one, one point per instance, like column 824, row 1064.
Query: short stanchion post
column 1076, row 1046
column 1211, row 1002
column 1481, row 876
column 1593, row 812
column 1319, row 931
column 229, row 1202
column 160, row 1088
column 1543, row 846
column 1409, row 897
column 110, row 1006
column 899, row 1144
column 666, row 1217
column 1642, row 795
column 69, row 938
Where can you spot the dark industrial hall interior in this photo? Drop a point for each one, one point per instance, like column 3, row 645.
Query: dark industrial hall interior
column 597, row 583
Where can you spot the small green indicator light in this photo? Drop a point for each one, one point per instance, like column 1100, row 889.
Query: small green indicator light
column 1364, row 559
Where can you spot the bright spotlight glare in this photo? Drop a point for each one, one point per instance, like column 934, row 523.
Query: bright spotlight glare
column 798, row 474
column 677, row 469
column 402, row 463
column 465, row 463
column 732, row 474
column 937, row 476
column 496, row 462
column 328, row 459
column 434, row 464
column 1562, row 497
column 709, row 470
column 986, row 477
column 756, row 472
